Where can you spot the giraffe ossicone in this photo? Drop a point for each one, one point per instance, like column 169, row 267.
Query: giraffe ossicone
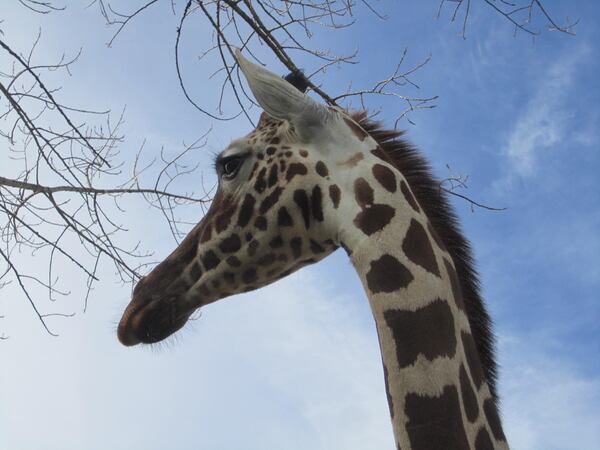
column 308, row 180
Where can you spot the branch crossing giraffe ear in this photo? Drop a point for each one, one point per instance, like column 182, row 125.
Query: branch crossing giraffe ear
column 283, row 101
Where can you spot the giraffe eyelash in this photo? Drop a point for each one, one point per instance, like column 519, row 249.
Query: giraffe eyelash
column 217, row 159
column 229, row 166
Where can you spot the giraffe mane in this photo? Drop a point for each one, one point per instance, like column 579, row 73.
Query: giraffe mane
column 434, row 201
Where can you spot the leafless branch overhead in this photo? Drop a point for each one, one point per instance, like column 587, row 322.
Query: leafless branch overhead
column 55, row 163
column 524, row 15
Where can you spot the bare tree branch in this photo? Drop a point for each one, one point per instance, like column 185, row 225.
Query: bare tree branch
column 53, row 203
column 520, row 13
column 285, row 29
column 89, row 190
column 451, row 184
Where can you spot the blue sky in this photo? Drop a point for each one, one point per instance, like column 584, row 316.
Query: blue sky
column 296, row 365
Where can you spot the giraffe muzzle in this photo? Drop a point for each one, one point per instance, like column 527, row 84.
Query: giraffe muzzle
column 152, row 321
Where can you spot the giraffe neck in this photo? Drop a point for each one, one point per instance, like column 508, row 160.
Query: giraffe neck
column 436, row 390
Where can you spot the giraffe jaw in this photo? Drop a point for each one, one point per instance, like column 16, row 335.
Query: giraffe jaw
column 152, row 321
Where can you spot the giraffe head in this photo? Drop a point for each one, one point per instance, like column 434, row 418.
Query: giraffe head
column 283, row 196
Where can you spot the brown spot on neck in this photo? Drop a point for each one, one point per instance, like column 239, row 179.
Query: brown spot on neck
column 373, row 217
column 418, row 248
column 428, row 331
column 387, row 274
column 295, row 169
column 385, row 176
column 387, row 390
column 455, row 285
column 322, row 169
column 363, row 192
column 483, row 441
column 472, row 359
column 435, row 422
column 352, row 161
column 335, row 193
column 491, row 414
column 468, row 395
column 409, row 197
column 302, row 201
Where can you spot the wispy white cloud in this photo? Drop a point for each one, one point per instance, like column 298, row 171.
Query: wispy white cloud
column 543, row 122
column 547, row 404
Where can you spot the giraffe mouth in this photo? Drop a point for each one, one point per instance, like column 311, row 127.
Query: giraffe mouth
column 152, row 321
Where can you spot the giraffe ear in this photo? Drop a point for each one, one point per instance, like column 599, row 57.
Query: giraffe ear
column 280, row 99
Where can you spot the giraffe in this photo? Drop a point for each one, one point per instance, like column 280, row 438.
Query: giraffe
column 310, row 179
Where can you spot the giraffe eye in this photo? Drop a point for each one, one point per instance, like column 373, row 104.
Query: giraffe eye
column 230, row 166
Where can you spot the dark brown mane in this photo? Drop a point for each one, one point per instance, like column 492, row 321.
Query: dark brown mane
column 436, row 206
